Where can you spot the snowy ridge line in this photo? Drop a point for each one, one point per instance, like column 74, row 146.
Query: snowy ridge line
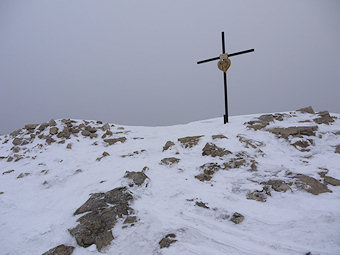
column 262, row 184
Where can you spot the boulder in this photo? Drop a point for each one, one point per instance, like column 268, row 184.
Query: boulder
column 60, row 250
column 137, row 177
column 201, row 204
column 212, row 150
column 310, row 184
column 308, row 109
column 85, row 133
column 337, row 149
column 112, row 141
column 260, row 196
column 324, row 118
column 166, row 241
column 17, row 141
column 43, row 126
column 52, row 123
column 189, row 141
column 53, row 130
column 331, row 180
column 31, row 126
column 294, row 131
column 277, row 185
column 220, row 136
column 170, row 161
column 102, row 211
column 237, row 218
column 167, row 145
column 105, row 127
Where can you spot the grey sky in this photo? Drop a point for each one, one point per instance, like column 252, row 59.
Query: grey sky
column 134, row 62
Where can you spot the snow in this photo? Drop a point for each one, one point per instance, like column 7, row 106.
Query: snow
column 35, row 217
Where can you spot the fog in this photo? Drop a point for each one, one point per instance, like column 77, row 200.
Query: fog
column 135, row 62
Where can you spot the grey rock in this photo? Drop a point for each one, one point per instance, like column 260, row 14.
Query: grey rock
column 112, row 141
column 294, row 131
column 17, row 141
column 266, row 118
column 167, row 241
column 170, row 161
column 237, row 218
column 106, row 127
column 53, row 130
column 324, row 118
column 60, row 250
column 220, row 136
column 308, row 109
column 86, row 133
column 257, row 195
column 31, row 126
column 337, row 149
column 43, row 126
column 69, row 146
column 212, row 150
column 277, row 185
column 52, row 123
column 310, row 184
column 331, row 180
column 130, row 220
column 16, row 133
column 137, row 177
column 102, row 211
column 189, row 141
column 167, row 145
column 203, row 205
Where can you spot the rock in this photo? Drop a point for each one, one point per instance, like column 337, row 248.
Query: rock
column 60, row 250
column 69, row 146
column 219, row 137
column 15, row 149
column 331, row 180
column 130, row 220
column 266, row 118
column 277, row 185
column 22, row 175
column 103, row 209
column 52, row 123
column 203, row 177
column 91, row 129
column 167, row 145
column 337, row 149
column 249, row 142
column 308, row 109
column 17, row 141
column 8, row 172
column 31, row 126
column 167, row 241
column 9, row 159
column 203, row 205
column 105, row 127
column 257, row 195
column 237, row 218
column 170, row 161
column 43, row 126
column 137, row 177
column 49, row 140
column 212, row 150
column 253, row 166
column 54, row 130
column 294, row 131
column 189, row 141
column 324, row 118
column 310, row 184
column 85, row 133
column 15, row 133
column 93, row 135
column 112, row 141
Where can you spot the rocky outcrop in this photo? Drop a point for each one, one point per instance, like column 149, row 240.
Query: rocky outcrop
column 331, row 180
column 310, row 184
column 138, row 178
column 324, row 118
column 102, row 211
column 189, row 141
column 210, row 149
column 166, row 241
column 112, row 141
column 277, row 185
column 170, row 161
column 294, row 131
column 237, row 218
column 167, row 145
column 60, row 250
column 308, row 109
column 220, row 136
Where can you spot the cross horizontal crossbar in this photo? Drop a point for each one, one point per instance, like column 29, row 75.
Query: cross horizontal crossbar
column 229, row 55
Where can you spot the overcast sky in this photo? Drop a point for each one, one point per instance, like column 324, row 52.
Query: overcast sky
column 134, row 62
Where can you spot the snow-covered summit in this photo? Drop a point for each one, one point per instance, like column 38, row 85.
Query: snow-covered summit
column 262, row 184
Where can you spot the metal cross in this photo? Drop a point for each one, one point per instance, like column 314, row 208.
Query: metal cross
column 224, row 73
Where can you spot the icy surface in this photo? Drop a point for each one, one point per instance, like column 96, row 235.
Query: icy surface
column 36, row 210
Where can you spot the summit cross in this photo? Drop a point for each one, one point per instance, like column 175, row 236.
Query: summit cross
column 224, row 65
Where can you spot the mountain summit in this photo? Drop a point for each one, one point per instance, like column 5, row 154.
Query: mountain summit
column 262, row 184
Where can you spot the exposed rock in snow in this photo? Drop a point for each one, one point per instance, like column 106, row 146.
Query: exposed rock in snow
column 137, row 177
column 60, row 250
column 237, row 218
column 167, row 145
column 189, row 141
column 308, row 109
column 211, row 149
column 170, row 161
column 167, row 241
column 112, row 141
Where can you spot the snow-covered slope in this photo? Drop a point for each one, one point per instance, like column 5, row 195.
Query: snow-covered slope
column 280, row 181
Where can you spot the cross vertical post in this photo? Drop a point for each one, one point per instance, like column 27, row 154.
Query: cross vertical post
column 225, row 85
column 224, row 65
